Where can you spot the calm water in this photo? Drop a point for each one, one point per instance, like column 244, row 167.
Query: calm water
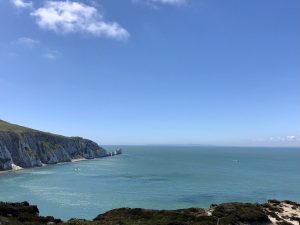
column 158, row 177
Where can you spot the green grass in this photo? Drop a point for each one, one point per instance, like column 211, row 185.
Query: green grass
column 9, row 127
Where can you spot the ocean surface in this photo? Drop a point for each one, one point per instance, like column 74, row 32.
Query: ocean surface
column 157, row 177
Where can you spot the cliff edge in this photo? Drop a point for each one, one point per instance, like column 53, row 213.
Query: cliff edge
column 22, row 147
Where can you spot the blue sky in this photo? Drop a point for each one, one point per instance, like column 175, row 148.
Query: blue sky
column 153, row 71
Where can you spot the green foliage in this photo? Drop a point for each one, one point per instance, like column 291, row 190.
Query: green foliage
column 78, row 222
column 50, row 146
column 158, row 217
column 247, row 213
column 224, row 214
column 9, row 127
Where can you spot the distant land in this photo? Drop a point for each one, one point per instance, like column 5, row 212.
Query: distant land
column 22, row 147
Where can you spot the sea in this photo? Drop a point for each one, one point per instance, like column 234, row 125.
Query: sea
column 157, row 177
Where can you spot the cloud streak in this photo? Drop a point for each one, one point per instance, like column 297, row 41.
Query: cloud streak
column 75, row 17
column 51, row 54
column 32, row 46
column 164, row 2
column 170, row 2
column 22, row 4
column 28, row 42
column 289, row 140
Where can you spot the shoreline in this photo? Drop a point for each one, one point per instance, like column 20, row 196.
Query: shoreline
column 79, row 160
column 16, row 168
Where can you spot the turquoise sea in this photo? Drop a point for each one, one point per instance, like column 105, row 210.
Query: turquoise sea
column 160, row 177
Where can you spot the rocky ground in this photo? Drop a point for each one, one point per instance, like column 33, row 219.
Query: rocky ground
column 272, row 212
column 283, row 213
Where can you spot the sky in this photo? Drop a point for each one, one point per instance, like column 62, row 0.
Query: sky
column 208, row 72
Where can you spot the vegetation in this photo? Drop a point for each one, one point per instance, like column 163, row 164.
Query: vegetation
column 233, row 213
column 9, row 127
column 31, row 152
column 224, row 214
column 50, row 147
column 22, row 214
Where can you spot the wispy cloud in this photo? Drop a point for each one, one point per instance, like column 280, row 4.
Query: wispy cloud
column 288, row 140
column 170, row 2
column 24, row 45
column 51, row 54
column 27, row 42
column 22, row 4
column 75, row 17
column 165, row 2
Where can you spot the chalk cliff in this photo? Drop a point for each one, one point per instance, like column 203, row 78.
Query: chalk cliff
column 25, row 147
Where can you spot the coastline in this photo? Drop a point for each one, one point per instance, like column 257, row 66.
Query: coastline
column 16, row 168
column 78, row 160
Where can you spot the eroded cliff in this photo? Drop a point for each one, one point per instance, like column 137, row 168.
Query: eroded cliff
column 25, row 147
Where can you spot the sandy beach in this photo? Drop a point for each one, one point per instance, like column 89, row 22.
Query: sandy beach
column 78, row 159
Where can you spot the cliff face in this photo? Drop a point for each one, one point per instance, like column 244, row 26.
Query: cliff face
column 27, row 148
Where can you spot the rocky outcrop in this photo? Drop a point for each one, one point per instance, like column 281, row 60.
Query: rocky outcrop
column 30, row 148
column 223, row 214
column 23, row 213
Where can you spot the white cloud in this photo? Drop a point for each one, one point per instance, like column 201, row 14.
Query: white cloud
column 166, row 2
column 28, row 42
column 22, row 4
column 73, row 17
column 292, row 138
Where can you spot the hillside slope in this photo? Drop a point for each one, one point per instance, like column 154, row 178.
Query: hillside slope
column 271, row 213
column 25, row 147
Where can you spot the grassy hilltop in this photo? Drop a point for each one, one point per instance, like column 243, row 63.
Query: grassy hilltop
column 9, row 127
